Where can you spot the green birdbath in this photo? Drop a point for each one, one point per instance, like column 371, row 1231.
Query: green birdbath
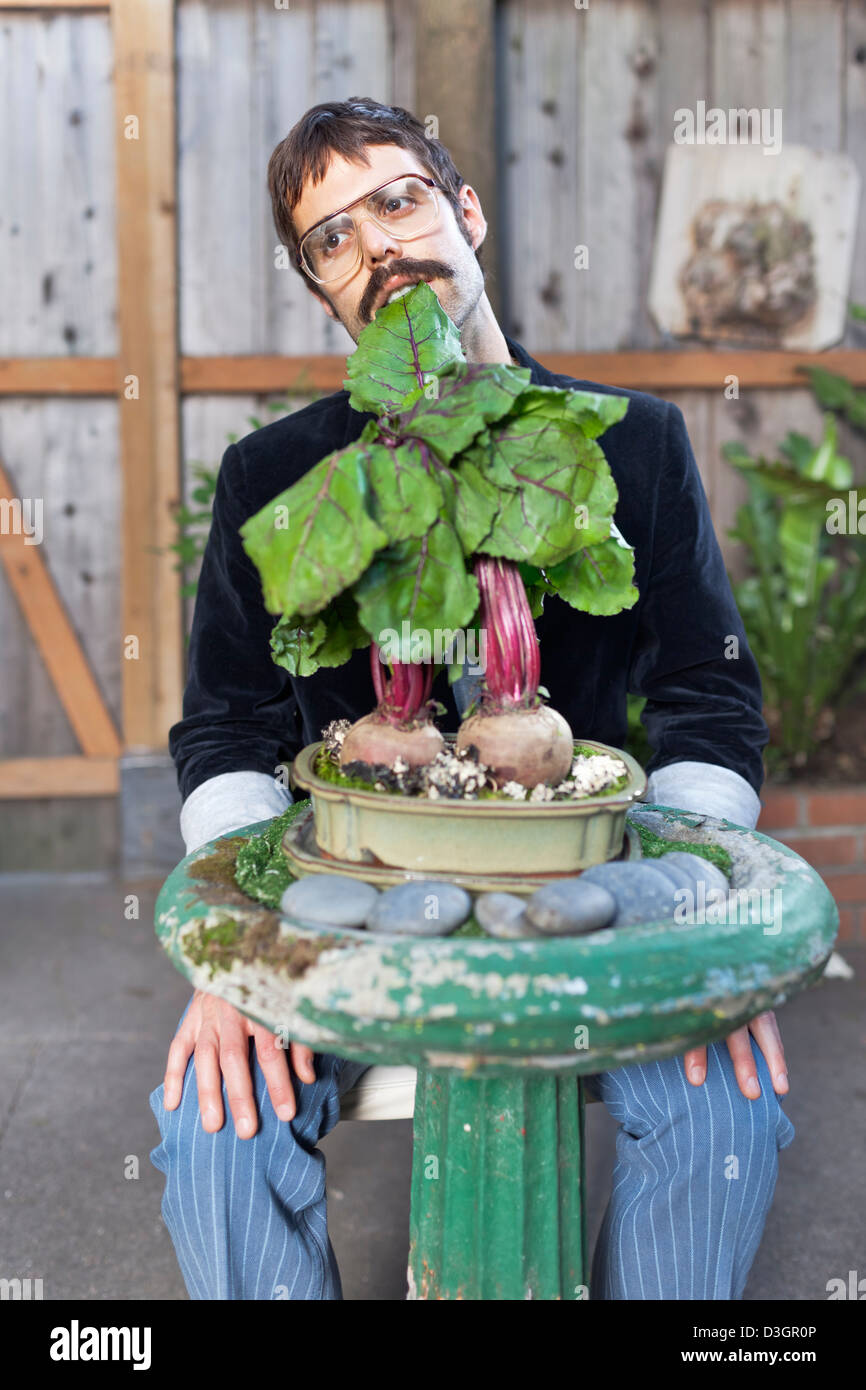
column 502, row 1031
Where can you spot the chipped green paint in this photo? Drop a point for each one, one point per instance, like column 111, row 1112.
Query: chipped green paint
column 656, row 986
column 502, row 1031
column 498, row 1184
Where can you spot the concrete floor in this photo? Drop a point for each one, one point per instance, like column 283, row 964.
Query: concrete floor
column 88, row 1006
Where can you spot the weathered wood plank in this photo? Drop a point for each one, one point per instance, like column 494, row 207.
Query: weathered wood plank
column 855, row 143
column 53, row 634
column 815, row 57
column 30, row 778
column 65, row 454
column 749, row 54
column 58, row 267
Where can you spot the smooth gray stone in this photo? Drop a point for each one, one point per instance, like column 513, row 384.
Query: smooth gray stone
column 701, row 868
column 329, row 900
column 679, row 875
column 569, row 907
column 503, row 915
column 642, row 893
column 409, row 908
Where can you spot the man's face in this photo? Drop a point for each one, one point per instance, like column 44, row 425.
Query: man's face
column 443, row 255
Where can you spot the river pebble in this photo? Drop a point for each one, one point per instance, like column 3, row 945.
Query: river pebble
column 329, row 900
column 642, row 893
column 503, row 915
column 699, row 867
column 570, row 907
column 424, row 907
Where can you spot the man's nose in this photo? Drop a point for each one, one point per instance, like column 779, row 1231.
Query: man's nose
column 376, row 243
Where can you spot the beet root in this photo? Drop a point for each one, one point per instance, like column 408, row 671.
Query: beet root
column 521, row 745
column 375, row 740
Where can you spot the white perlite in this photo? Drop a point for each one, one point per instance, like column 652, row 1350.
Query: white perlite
column 457, row 775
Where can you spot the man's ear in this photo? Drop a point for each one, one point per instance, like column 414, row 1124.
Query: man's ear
column 326, row 305
column 474, row 226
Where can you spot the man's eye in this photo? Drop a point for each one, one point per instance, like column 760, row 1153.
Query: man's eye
column 396, row 204
column 332, row 241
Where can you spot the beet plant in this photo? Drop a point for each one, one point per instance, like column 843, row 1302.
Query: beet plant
column 470, row 494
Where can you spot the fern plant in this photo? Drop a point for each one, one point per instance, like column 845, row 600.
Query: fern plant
column 804, row 603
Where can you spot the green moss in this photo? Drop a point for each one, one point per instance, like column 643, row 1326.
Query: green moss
column 219, row 866
column 262, row 870
column 653, row 845
column 207, row 945
column 257, row 939
column 330, row 772
column 471, row 928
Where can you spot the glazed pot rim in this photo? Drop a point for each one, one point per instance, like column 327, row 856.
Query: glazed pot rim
column 304, row 775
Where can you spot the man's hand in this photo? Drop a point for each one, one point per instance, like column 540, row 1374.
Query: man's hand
column 765, row 1031
column 219, row 1036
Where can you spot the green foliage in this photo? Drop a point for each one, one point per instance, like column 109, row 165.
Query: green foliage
column 261, row 868
column 804, row 603
column 193, row 523
column 637, row 742
column 462, row 459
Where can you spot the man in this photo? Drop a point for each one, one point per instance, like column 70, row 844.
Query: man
column 248, row 1219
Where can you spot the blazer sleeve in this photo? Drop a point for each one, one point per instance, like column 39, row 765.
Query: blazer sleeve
column 690, row 657
column 240, row 713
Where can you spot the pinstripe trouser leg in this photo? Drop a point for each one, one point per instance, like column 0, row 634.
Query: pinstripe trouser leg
column 248, row 1217
column 694, row 1178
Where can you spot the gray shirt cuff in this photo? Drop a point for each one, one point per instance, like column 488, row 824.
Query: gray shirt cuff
column 227, row 802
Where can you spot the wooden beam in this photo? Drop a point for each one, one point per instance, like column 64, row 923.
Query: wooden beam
column 455, row 55
column 55, row 5
column 28, row 778
column 644, row 371
column 672, row 370
column 242, row 375
column 144, row 62
column 58, row 376
column 52, row 631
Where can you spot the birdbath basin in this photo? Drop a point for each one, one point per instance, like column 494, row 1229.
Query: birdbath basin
column 502, row 1031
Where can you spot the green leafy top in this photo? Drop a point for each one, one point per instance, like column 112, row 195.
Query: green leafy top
column 461, row 459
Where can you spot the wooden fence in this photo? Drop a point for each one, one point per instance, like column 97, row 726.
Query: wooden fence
column 144, row 319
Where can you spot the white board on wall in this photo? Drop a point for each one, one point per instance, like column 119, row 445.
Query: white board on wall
column 818, row 187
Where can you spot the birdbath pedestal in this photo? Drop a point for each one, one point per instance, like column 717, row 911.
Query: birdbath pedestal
column 502, row 1032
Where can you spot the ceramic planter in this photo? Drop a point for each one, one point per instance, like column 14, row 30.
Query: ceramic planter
column 465, row 837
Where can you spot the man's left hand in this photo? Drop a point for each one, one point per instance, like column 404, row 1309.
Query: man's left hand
column 765, row 1031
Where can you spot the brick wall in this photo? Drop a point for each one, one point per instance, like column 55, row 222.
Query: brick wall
column 827, row 828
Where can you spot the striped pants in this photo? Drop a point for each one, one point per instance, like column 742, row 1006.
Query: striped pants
column 694, row 1178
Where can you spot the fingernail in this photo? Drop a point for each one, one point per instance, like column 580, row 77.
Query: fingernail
column 782, row 1079
column 285, row 1112
column 211, row 1115
column 697, row 1073
column 752, row 1087
column 245, row 1127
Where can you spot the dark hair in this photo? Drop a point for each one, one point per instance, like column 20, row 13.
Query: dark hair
column 345, row 128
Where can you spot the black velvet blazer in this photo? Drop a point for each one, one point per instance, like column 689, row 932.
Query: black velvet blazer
column 241, row 712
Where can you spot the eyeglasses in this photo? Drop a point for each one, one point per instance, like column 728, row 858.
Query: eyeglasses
column 404, row 207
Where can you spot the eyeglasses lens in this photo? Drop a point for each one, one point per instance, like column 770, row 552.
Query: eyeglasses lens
column 406, row 207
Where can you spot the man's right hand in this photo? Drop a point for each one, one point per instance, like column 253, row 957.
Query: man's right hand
column 219, row 1036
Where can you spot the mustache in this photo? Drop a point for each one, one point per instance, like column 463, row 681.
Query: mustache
column 427, row 270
